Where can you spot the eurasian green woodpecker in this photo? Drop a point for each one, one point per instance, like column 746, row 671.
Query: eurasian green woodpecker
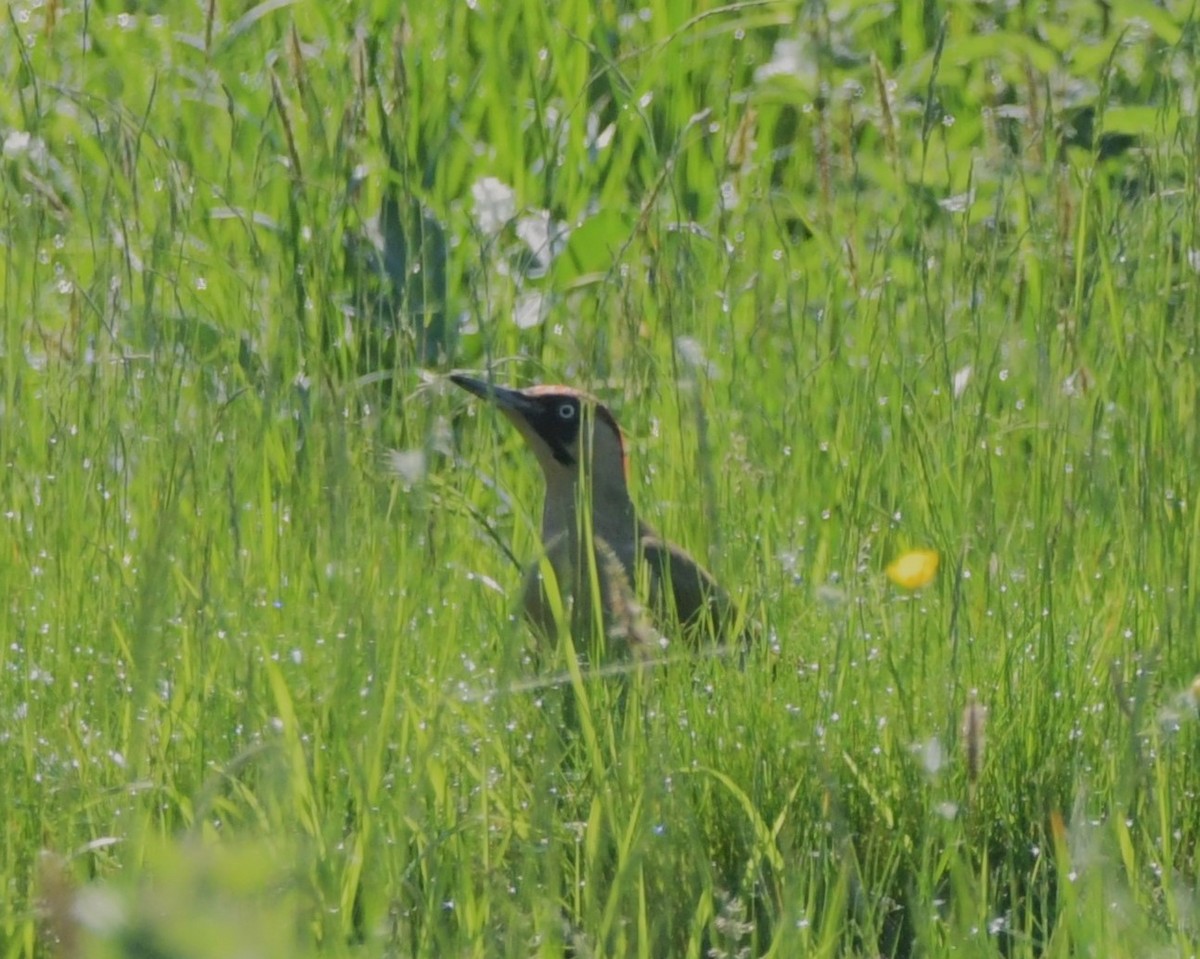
column 579, row 446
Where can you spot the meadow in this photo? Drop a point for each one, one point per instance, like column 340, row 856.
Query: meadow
column 856, row 278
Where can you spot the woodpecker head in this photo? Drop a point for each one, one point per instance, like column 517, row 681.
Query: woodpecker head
column 568, row 430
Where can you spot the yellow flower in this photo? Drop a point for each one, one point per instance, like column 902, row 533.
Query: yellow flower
column 914, row 569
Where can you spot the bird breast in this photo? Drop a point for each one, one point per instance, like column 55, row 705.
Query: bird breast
column 633, row 594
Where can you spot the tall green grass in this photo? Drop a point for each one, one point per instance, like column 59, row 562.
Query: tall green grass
column 855, row 279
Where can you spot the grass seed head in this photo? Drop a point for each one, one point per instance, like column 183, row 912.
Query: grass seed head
column 974, row 727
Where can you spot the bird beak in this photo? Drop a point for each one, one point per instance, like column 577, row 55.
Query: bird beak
column 508, row 401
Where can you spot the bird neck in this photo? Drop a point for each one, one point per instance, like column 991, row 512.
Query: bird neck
column 609, row 507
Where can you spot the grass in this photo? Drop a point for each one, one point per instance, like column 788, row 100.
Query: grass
column 855, row 278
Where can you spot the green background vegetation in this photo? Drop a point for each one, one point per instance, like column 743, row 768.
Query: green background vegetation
column 855, row 277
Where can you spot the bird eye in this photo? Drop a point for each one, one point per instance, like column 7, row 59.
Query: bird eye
column 566, row 411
